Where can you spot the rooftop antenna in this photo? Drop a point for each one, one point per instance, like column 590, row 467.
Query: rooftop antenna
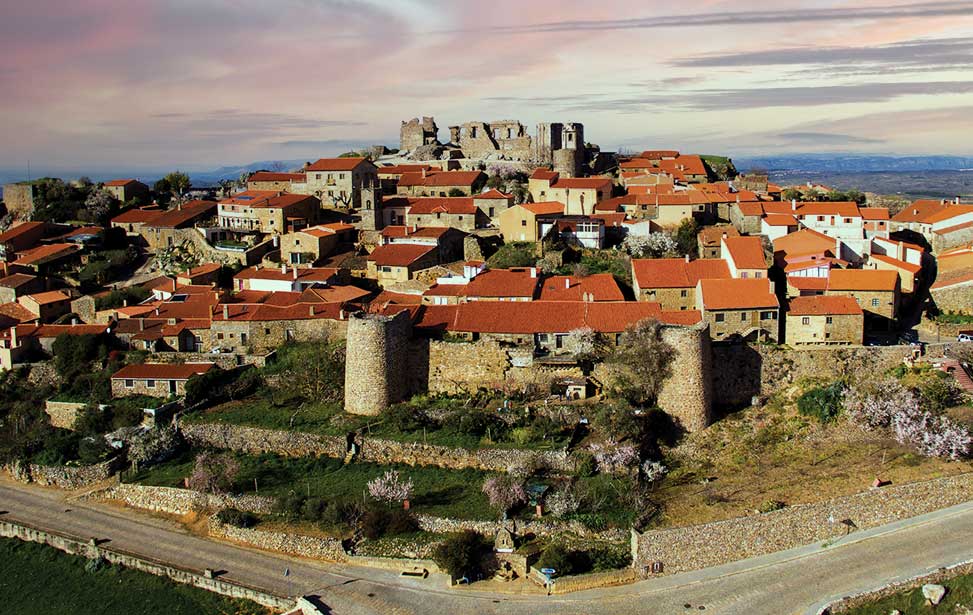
column 28, row 169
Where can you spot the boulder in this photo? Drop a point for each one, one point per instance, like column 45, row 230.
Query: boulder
column 933, row 593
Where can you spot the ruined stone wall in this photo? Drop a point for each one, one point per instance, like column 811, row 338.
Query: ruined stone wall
column 456, row 367
column 312, row 547
column 376, row 375
column 416, row 133
column 19, row 200
column 712, row 544
column 63, row 413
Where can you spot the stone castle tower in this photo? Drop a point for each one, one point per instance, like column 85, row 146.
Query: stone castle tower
column 372, row 218
column 687, row 395
column 376, row 352
column 569, row 158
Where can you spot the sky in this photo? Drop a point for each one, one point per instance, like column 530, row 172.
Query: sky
column 197, row 84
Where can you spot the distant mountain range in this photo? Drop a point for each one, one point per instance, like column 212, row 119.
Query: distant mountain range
column 854, row 163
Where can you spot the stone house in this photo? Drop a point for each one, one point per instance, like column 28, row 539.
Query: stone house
column 134, row 219
column 19, row 237
column 448, row 241
column 943, row 224
column 49, row 259
column 876, row 291
column 953, row 288
column 578, row 194
column 441, row 183
column 272, row 213
column 520, row 222
column 493, row 203
column 274, row 181
column 519, row 284
column 671, row 282
column 18, row 198
column 284, row 278
column 156, row 379
column 744, row 256
column 388, row 175
column 393, row 263
column 207, row 274
column 909, row 273
column 338, row 182
column 310, row 245
column 162, row 231
column 250, row 328
column 19, row 284
column 25, row 340
column 584, row 231
column 826, row 320
column 124, row 190
column 455, row 212
column 47, row 306
column 747, row 308
column 709, row 239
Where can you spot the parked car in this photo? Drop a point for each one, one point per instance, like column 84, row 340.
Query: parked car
column 965, row 336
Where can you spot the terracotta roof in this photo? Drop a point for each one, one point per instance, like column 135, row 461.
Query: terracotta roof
column 267, row 199
column 20, row 229
column 44, row 254
column 954, row 228
column 676, row 272
column 137, row 216
column 844, row 209
column 445, row 290
column 610, row 219
column 16, row 280
column 681, row 317
column 824, row 305
column 333, row 294
column 874, row 213
column 269, row 313
column 503, row 283
column 336, row 164
column 51, row 296
column 17, row 312
column 601, row 286
column 919, row 211
column 954, row 268
column 174, row 218
column 446, row 205
column 582, row 183
column 399, row 254
column 399, row 169
column 304, row 274
column 804, row 241
column 201, row 270
column 948, row 212
column 120, row 182
column 493, row 194
column 271, row 176
column 544, row 207
column 746, row 252
column 162, row 371
column 894, row 262
column 780, row 220
column 441, row 179
column 711, row 235
column 802, row 283
column 737, row 294
column 337, row 227
column 551, row 317
column 862, row 279
column 52, row 331
column 658, row 154
column 544, row 174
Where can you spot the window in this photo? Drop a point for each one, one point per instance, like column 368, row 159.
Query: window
column 129, row 383
column 682, row 293
column 874, row 302
column 758, row 275
column 559, row 341
column 150, row 383
column 847, row 220
column 523, row 223
column 386, row 269
column 491, row 212
column 719, row 318
column 266, row 331
column 219, row 336
column 743, row 317
column 806, row 320
column 744, row 275
column 769, row 315
column 829, row 320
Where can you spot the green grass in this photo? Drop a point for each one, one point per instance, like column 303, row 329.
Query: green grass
column 959, row 591
column 262, row 411
column 451, row 493
column 39, row 579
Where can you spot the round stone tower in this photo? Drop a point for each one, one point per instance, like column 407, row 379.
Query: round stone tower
column 376, row 351
column 687, row 395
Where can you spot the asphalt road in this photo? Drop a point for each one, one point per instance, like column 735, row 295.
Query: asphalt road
column 795, row 581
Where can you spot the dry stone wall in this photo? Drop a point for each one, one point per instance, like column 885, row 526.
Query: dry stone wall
column 64, row 477
column 712, row 544
column 255, row 440
column 63, row 413
column 541, row 527
column 492, row 459
column 312, row 547
column 183, row 501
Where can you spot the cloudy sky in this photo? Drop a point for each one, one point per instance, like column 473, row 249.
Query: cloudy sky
column 151, row 84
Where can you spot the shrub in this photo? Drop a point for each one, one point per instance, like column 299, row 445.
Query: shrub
column 237, row 518
column 587, row 466
column 938, row 392
column 378, row 522
column 770, row 506
column 290, row 505
column 608, row 558
column 93, row 449
column 562, row 502
column 312, row 509
column 406, row 418
column 641, row 363
column 558, row 557
column 823, row 403
column 461, row 554
column 595, row 522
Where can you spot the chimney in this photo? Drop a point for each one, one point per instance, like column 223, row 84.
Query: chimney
column 295, row 272
column 341, row 314
column 74, row 321
column 793, row 204
column 956, row 201
column 226, row 311
column 533, row 272
column 687, row 258
column 13, row 336
column 423, row 172
column 124, row 302
column 310, row 310
column 283, row 268
column 141, row 324
column 724, row 235
column 171, row 321
column 156, row 311
column 567, row 282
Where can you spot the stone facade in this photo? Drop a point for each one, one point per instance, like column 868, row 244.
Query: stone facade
column 824, row 329
column 416, row 133
column 19, row 200
column 712, row 544
column 955, row 297
column 376, row 355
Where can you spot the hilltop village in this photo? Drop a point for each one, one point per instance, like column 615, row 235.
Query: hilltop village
column 512, row 331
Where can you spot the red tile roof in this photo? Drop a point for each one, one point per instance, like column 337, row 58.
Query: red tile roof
column 780, row 220
column 137, row 216
column 496, row 283
column 544, row 174
column 336, row 164
column 844, row 209
column 822, row 305
column 120, row 182
column 551, row 317
column 446, row 205
column 919, row 211
column 177, row 217
column 442, row 179
column 802, row 283
column 544, row 207
column 162, row 371
column 737, row 294
column 676, row 272
column 44, row 254
column 16, row 280
column 399, row 254
column 874, row 213
column 600, row 286
column 862, row 279
column 16, row 312
column 303, row 274
column 399, row 169
column 51, row 296
column 894, row 262
column 804, row 242
column 23, row 228
column 267, row 199
column 582, row 183
column 746, row 252
column 493, row 194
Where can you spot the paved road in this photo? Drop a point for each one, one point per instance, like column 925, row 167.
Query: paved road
column 794, row 581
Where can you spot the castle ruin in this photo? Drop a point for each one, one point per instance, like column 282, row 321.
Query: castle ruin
column 416, row 133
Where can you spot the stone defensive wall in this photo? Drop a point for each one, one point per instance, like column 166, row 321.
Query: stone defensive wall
column 374, row 450
column 741, row 371
column 702, row 546
column 118, row 557
column 175, row 501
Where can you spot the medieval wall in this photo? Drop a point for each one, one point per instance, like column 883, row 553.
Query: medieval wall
column 416, row 133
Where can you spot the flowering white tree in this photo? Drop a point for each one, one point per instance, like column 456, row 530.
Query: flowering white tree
column 656, row 245
column 612, row 457
column 390, row 488
column 584, row 342
column 932, row 435
column 874, row 407
column 562, row 502
column 654, row 471
column 504, row 492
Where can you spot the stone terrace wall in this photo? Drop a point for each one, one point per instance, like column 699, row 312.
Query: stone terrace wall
column 712, row 544
column 541, row 527
column 255, row 440
column 114, row 556
column 183, row 501
column 741, row 371
column 293, row 544
column 593, row 580
column 63, row 413
column 64, row 477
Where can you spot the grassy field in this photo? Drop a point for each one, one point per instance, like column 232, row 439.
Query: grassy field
column 774, row 454
column 39, row 579
column 452, row 493
column 959, row 592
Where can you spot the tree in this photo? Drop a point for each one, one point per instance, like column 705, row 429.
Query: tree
column 460, row 554
column 456, row 192
column 389, row 488
column 655, row 245
column 100, row 205
column 584, row 342
column 653, row 471
column 824, row 403
column 504, row 492
column 932, row 435
column 612, row 457
column 178, row 182
column 641, row 363
column 214, row 472
column 791, row 194
column 557, row 557
column 686, row 236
